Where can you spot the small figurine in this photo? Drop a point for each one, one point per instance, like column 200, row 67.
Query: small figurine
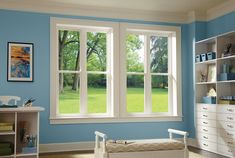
column 203, row 77
column 227, row 51
column 28, row 103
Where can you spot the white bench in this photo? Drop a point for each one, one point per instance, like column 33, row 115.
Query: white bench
column 146, row 148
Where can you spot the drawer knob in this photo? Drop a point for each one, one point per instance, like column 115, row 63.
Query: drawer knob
column 204, row 108
column 229, row 151
column 205, row 130
column 229, row 134
column 205, row 137
column 204, row 115
column 230, row 110
column 205, row 122
column 230, row 126
column 230, row 142
column 205, row 144
column 229, row 118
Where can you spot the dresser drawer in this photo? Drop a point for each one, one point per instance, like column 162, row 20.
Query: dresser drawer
column 226, row 141
column 207, row 145
column 228, row 109
column 207, row 130
column 226, row 117
column 205, row 122
column 226, row 133
column 206, row 108
column 207, row 137
column 226, row 125
column 229, row 151
column 206, row 115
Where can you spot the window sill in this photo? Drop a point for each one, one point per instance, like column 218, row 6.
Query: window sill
column 108, row 119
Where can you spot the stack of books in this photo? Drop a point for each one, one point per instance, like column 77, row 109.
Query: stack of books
column 6, row 127
column 6, row 148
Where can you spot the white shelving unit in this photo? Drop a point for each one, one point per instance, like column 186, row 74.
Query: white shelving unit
column 16, row 116
column 215, row 123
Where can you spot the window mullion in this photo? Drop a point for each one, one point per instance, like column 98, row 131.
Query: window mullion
column 147, row 84
column 83, row 77
column 170, row 77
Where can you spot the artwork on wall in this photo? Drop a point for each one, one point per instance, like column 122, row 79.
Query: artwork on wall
column 20, row 62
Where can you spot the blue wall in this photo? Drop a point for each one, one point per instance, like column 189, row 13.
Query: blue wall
column 35, row 28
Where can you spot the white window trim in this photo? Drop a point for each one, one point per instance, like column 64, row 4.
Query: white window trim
column 116, row 72
column 126, row 28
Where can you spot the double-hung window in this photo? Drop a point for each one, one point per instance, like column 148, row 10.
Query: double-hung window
column 114, row 72
column 150, row 71
column 81, row 81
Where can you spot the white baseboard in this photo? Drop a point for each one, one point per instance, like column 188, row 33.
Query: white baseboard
column 83, row 146
column 61, row 147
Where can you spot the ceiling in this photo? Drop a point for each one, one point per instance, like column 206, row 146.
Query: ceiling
column 154, row 8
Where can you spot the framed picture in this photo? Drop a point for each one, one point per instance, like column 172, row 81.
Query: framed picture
column 211, row 73
column 20, row 62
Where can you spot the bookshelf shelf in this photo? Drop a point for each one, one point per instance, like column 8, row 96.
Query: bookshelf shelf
column 27, row 116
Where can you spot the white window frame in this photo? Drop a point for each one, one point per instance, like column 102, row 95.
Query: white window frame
column 83, row 26
column 116, row 74
column 174, row 69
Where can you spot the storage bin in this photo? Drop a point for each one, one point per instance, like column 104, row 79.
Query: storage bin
column 203, row 57
column 27, row 150
column 198, row 58
column 226, row 76
column 210, row 55
column 209, row 100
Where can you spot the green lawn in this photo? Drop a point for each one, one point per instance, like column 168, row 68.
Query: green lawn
column 69, row 100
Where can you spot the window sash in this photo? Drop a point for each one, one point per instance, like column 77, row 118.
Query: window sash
column 83, row 72
column 148, row 75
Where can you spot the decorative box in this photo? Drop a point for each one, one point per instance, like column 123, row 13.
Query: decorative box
column 203, row 57
column 226, row 76
column 198, row 58
column 209, row 100
column 27, row 150
column 210, row 55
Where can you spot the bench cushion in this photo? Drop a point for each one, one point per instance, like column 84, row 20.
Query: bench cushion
column 144, row 145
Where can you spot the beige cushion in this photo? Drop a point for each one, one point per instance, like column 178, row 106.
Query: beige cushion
column 144, row 145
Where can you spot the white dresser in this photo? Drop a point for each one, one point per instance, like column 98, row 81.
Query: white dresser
column 216, row 128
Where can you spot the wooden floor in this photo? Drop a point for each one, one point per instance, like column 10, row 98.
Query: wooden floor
column 205, row 153
column 88, row 154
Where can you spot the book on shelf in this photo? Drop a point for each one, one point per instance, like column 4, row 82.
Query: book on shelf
column 229, row 102
column 6, row 148
column 6, row 127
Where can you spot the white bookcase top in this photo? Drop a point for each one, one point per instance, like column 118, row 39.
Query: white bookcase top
column 22, row 109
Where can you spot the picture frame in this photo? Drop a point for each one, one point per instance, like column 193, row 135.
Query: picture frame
column 20, row 62
column 211, row 73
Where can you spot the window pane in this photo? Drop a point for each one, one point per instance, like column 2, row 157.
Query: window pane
column 135, row 93
column 96, row 51
column 135, row 53
column 159, row 93
column 69, row 98
column 97, row 93
column 69, row 50
column 159, row 54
